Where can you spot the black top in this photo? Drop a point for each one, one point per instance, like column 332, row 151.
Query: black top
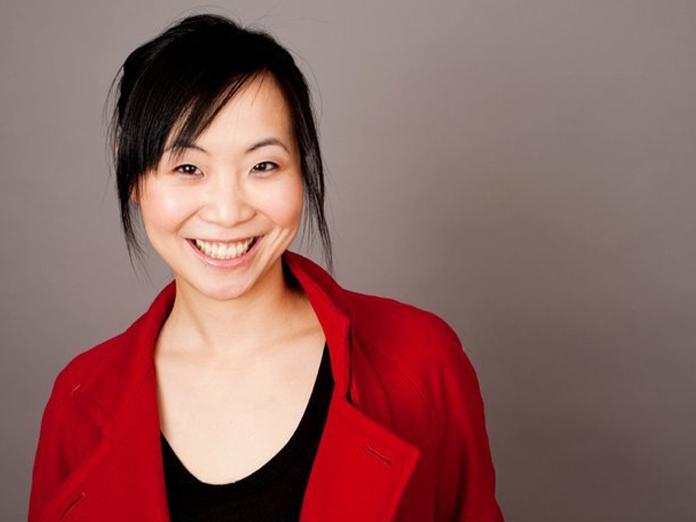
column 274, row 492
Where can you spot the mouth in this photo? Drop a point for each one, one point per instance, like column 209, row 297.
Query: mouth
column 223, row 252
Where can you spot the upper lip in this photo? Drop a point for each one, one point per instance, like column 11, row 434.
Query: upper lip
column 223, row 240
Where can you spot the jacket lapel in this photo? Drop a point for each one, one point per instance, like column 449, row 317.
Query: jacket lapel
column 361, row 468
column 359, row 473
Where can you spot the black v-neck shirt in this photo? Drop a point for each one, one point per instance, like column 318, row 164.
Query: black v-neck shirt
column 274, row 492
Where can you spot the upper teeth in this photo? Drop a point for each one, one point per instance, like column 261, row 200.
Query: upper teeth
column 223, row 250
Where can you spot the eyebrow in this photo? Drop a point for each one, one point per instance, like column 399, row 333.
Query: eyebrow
column 263, row 143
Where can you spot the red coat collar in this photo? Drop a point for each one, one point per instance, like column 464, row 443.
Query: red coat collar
column 361, row 468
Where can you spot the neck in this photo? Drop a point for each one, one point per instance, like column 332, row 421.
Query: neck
column 242, row 328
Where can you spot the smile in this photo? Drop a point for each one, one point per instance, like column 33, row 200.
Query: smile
column 224, row 250
column 224, row 255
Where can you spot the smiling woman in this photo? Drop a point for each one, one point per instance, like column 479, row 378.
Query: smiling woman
column 254, row 387
column 184, row 79
column 235, row 195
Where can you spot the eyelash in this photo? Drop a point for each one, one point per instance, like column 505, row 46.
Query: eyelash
column 275, row 166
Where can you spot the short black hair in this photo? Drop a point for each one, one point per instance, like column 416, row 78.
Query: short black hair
column 183, row 77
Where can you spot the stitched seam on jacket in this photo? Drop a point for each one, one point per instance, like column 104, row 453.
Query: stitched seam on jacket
column 398, row 365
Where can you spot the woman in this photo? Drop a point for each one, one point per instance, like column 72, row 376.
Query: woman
column 254, row 387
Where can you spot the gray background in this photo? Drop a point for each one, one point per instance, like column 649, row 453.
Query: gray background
column 525, row 169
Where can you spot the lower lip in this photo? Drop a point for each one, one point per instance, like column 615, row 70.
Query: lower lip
column 228, row 264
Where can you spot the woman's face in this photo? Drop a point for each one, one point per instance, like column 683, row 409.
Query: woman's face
column 240, row 179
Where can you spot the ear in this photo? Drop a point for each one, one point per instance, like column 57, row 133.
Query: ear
column 134, row 198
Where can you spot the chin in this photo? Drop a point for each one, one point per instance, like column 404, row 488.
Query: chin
column 221, row 289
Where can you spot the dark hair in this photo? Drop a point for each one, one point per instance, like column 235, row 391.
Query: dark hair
column 187, row 74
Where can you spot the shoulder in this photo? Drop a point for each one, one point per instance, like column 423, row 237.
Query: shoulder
column 67, row 431
column 418, row 345
column 406, row 329
column 93, row 363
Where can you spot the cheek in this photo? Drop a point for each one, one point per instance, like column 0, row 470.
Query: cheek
column 164, row 208
column 283, row 205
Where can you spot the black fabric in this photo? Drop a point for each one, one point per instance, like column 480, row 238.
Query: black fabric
column 274, row 492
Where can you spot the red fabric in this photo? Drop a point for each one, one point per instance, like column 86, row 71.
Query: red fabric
column 404, row 440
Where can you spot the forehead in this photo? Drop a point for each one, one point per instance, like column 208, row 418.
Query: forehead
column 258, row 108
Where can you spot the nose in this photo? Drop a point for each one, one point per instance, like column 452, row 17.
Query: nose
column 226, row 202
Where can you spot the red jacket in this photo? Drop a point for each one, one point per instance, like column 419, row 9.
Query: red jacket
column 404, row 439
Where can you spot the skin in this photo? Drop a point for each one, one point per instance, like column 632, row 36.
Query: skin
column 237, row 357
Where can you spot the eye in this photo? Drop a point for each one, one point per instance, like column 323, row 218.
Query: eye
column 268, row 166
column 190, row 169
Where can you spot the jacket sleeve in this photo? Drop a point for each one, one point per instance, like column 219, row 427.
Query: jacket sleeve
column 51, row 462
column 466, row 478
